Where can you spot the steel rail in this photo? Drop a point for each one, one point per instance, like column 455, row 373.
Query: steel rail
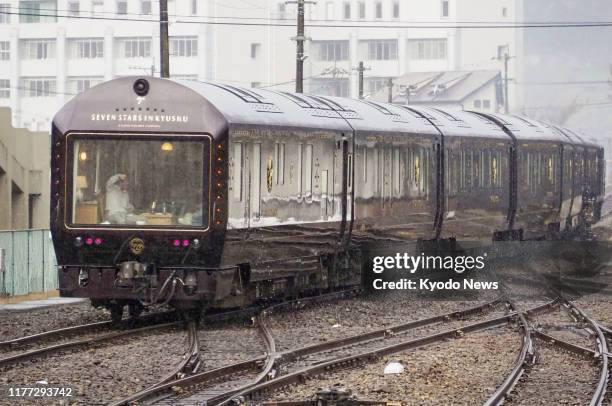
column 80, row 343
column 82, row 328
column 600, row 390
column 565, row 345
column 526, row 355
column 190, row 364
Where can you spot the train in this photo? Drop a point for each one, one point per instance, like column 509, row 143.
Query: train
column 206, row 195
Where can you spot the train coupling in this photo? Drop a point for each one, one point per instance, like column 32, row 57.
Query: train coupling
column 131, row 272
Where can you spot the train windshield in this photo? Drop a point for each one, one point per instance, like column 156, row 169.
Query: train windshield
column 139, row 182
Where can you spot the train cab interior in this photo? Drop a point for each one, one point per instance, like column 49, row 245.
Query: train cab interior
column 141, row 182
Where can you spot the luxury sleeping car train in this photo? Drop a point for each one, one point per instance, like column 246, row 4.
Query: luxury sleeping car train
column 209, row 195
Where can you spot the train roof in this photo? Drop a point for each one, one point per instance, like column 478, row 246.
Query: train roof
column 239, row 106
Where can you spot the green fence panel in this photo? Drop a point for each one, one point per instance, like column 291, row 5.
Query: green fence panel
column 21, row 278
column 51, row 281
column 36, row 263
column 6, row 277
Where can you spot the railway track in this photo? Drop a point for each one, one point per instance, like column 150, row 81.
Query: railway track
column 36, row 345
column 263, row 364
column 219, row 385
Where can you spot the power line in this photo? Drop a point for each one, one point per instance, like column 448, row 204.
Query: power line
column 576, row 82
column 378, row 26
column 442, row 24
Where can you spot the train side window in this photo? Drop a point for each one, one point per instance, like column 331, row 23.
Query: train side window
column 300, row 169
column 350, row 170
column 237, row 168
column 308, row 164
column 279, row 158
column 365, row 164
column 396, row 172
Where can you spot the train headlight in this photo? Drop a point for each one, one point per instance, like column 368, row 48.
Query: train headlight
column 197, row 243
column 78, row 242
column 141, row 87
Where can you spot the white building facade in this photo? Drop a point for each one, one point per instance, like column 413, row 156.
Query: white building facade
column 52, row 50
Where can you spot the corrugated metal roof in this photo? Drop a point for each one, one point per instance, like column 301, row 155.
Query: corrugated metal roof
column 449, row 87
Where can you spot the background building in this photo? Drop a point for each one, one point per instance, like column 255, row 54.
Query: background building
column 463, row 90
column 24, row 176
column 52, row 50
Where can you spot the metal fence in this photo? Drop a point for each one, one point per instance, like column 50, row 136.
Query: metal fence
column 27, row 262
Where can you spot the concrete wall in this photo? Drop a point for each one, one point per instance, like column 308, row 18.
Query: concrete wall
column 24, row 176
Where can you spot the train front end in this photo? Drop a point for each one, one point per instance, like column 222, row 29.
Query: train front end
column 138, row 196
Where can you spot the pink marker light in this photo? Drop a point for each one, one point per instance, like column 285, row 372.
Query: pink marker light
column 98, row 241
column 176, row 243
column 185, row 243
column 89, row 240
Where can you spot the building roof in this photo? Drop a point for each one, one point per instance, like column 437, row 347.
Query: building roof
column 450, row 87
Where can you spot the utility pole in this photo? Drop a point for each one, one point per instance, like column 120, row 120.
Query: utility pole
column 300, row 38
column 164, row 61
column 505, row 56
column 361, row 69
column 390, row 94
column 506, row 102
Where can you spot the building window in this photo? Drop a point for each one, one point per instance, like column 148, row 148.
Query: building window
column 381, row 50
column 396, row 9
column 333, row 50
column 378, row 9
column 136, row 47
column 361, row 10
column 255, row 49
column 87, row 48
column 29, row 11
column 445, row 8
column 486, row 104
column 122, row 7
column 184, row 46
column 145, row 7
column 375, row 84
column 73, row 8
column 194, row 7
column 38, row 87
column 281, row 10
column 5, row 88
column 5, row 50
column 329, row 10
column 504, row 12
column 79, row 85
column 330, row 87
column 38, row 49
column 97, row 8
column 347, row 10
column 434, row 48
column 477, row 104
column 5, row 8
column 255, row 85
